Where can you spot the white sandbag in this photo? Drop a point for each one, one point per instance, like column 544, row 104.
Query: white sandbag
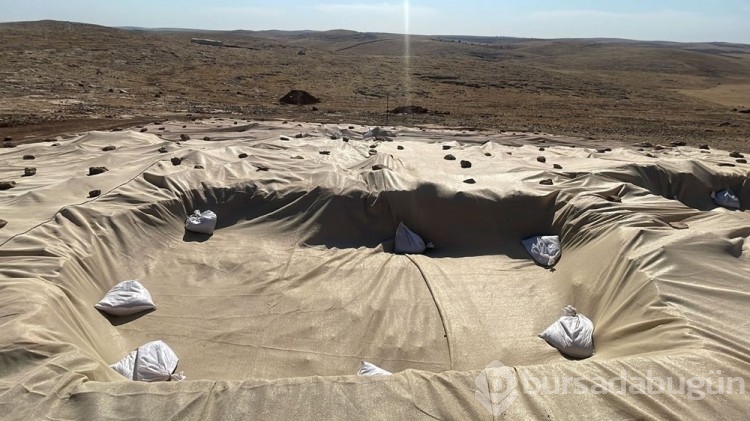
column 407, row 242
column 726, row 199
column 125, row 298
column 572, row 334
column 154, row 361
column 544, row 249
column 368, row 369
column 203, row 223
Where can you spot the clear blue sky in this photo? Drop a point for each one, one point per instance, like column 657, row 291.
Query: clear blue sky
column 673, row 20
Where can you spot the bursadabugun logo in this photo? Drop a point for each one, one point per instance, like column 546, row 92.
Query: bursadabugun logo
column 497, row 387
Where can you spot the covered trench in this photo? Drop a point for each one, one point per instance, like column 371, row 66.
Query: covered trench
column 271, row 315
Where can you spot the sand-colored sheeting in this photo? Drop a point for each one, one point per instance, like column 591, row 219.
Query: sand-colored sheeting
column 272, row 314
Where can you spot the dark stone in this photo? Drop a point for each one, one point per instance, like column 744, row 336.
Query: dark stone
column 284, row 138
column 206, row 138
column 161, row 128
column 5, row 185
column 7, row 139
column 650, row 155
column 345, row 139
column 372, row 152
column 299, row 97
column 465, row 164
column 351, row 127
column 29, row 171
column 613, row 198
column 703, row 147
column 242, row 155
column 261, row 167
column 163, row 149
column 541, row 159
column 410, row 109
column 679, row 143
column 741, row 161
column 97, row 170
column 470, row 181
column 109, row 148
column 284, row 122
column 546, row 182
column 378, row 167
column 117, row 129
column 315, row 108
column 144, row 130
column 325, row 152
column 449, row 157
column 199, row 167
column 399, row 147
column 557, row 166
column 736, row 154
column 334, row 137
column 28, row 157
column 603, row 149
column 184, row 137
column 3, row 223
column 373, row 146
column 176, row 161
column 8, row 145
column 487, row 154
column 95, row 193
column 658, row 147
column 446, row 147
column 541, row 149
column 726, row 164
column 299, row 136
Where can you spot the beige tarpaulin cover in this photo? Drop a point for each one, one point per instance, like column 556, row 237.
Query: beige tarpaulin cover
column 272, row 315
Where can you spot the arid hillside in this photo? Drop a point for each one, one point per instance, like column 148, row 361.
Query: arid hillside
column 59, row 76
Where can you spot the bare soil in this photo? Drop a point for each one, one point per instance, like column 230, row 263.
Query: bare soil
column 59, row 77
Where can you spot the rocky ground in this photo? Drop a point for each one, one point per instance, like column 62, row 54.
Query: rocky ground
column 60, row 77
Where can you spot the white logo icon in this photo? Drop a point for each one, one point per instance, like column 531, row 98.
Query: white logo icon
column 496, row 387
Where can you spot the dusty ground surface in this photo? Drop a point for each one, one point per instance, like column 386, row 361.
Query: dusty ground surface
column 59, row 78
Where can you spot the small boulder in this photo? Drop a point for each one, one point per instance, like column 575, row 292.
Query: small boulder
column 3, row 223
column 242, row 155
column 345, row 139
column 465, row 164
column 29, row 171
column 97, row 170
column 449, row 157
column 206, row 138
column 706, row 147
column 184, row 137
column 603, row 149
column 29, row 157
column 299, row 97
column 546, row 182
column 299, row 136
column 613, row 198
column 679, row 143
column 741, row 161
column 736, row 154
column 163, row 149
column 372, row 152
column 109, row 148
column 7, row 139
column 325, row 152
column 470, row 181
column 5, row 185
column 8, row 145
column 176, row 161
column 541, row 159
column 260, row 167
column 446, row 147
column 284, row 138
column 377, row 167
column 399, row 147
column 55, row 144
column 95, row 193
column 144, row 130
column 557, row 166
column 541, row 149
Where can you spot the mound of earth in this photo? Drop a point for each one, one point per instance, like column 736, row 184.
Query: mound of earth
column 298, row 97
